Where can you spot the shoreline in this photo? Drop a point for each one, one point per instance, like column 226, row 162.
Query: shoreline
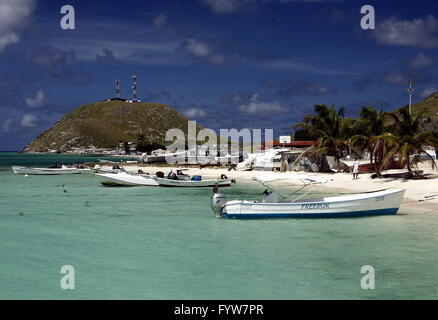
column 421, row 195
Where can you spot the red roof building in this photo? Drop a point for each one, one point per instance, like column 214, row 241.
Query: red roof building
column 295, row 144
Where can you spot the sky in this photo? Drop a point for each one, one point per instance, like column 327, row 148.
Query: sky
column 223, row 63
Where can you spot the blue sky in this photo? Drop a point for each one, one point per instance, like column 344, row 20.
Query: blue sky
column 224, row 63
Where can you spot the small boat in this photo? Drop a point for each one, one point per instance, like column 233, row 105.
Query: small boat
column 124, row 179
column 45, row 171
column 385, row 202
column 163, row 182
column 112, row 169
column 268, row 160
column 179, row 179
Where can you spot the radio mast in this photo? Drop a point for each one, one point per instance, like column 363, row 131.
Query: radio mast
column 410, row 90
column 117, row 88
column 134, row 87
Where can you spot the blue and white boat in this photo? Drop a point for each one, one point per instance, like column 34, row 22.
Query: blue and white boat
column 276, row 205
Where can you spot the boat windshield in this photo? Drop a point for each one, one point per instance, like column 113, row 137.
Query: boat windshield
column 301, row 181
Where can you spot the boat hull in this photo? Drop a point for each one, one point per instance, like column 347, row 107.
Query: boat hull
column 125, row 180
column 371, row 204
column 44, row 171
column 193, row 184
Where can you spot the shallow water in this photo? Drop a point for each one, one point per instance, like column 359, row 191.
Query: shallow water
column 159, row 243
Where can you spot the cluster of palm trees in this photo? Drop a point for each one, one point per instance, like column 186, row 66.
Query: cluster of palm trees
column 385, row 136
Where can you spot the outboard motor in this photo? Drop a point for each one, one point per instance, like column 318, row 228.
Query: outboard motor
column 217, row 203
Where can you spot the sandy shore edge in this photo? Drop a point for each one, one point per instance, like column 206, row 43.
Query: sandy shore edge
column 421, row 195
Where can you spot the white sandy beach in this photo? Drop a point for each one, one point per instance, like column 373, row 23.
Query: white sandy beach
column 420, row 194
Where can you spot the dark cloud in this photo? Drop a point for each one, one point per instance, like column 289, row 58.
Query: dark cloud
column 272, row 82
column 107, row 58
column 420, row 62
column 338, row 16
column 236, row 98
column 160, row 21
column 297, row 87
column 11, row 90
column 55, row 62
column 160, row 97
column 417, row 69
column 362, row 84
column 262, row 56
column 353, row 108
column 287, row 88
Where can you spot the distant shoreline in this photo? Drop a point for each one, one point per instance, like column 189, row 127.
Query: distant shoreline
column 78, row 154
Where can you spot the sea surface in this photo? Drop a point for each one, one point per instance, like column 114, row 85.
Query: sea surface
column 160, row 243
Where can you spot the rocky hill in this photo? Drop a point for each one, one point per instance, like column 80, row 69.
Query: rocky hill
column 429, row 107
column 106, row 124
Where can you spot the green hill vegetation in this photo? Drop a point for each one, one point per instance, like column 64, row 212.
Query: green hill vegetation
column 107, row 124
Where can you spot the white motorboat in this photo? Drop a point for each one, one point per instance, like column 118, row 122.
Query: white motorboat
column 125, row 179
column 386, row 202
column 45, row 171
column 268, row 160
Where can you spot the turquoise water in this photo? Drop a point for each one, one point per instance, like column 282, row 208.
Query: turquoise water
column 159, row 243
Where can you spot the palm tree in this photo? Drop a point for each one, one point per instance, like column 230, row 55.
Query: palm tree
column 141, row 143
column 368, row 131
column 406, row 140
column 329, row 125
column 126, row 147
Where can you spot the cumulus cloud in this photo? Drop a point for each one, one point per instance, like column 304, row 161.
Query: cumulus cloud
column 107, row 58
column 258, row 107
column 38, row 101
column 201, row 50
column 415, row 33
column 14, row 15
column 160, row 20
column 194, row 113
column 196, row 48
column 228, row 6
column 29, row 121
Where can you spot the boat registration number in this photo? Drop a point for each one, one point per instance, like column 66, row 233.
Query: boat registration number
column 315, row 206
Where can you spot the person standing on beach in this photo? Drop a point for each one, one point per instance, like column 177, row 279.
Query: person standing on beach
column 356, row 164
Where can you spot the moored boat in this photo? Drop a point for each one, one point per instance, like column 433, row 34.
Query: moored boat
column 45, row 171
column 163, row 182
column 125, row 179
column 385, row 202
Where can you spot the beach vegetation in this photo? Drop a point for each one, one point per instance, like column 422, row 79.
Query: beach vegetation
column 386, row 137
